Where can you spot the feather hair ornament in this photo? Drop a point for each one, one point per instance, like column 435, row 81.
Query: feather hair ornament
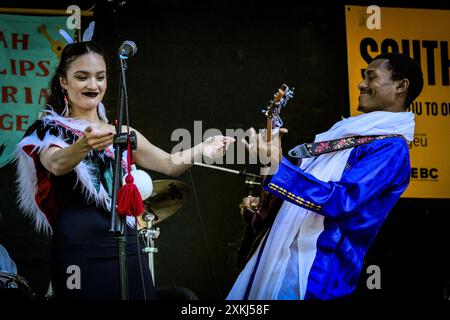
column 87, row 35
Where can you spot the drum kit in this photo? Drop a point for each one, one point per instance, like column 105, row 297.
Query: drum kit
column 167, row 198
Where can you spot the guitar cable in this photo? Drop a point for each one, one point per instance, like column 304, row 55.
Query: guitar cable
column 200, row 221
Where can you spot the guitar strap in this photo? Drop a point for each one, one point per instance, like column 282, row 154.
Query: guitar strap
column 307, row 150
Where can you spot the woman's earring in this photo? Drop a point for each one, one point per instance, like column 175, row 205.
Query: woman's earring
column 65, row 112
column 102, row 112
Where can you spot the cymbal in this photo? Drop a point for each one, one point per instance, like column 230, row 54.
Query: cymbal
column 167, row 198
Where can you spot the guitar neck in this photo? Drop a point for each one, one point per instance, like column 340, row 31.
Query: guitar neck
column 268, row 129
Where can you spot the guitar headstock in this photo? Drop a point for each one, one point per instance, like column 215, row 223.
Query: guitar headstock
column 280, row 98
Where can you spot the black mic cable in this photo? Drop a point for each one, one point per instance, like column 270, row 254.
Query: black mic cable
column 213, row 272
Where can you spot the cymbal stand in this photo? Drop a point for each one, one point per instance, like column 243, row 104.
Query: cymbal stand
column 148, row 235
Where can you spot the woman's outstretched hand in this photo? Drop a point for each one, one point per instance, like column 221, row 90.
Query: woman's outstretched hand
column 216, row 147
column 97, row 137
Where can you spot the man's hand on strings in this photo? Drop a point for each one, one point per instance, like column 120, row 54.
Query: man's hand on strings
column 268, row 153
column 249, row 202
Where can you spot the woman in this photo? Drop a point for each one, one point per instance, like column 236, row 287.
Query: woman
column 65, row 165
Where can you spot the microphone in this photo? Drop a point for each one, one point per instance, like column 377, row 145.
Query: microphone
column 127, row 49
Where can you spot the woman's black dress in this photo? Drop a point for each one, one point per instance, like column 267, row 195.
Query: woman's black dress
column 81, row 238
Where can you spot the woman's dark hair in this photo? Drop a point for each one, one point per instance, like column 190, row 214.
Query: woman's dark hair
column 404, row 67
column 70, row 53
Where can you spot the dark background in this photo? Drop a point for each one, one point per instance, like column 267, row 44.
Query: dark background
column 220, row 62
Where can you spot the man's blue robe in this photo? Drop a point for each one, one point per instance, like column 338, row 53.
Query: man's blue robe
column 354, row 208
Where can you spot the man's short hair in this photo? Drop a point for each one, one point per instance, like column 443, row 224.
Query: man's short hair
column 404, row 67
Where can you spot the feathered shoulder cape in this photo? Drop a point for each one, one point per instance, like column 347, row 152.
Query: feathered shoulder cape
column 36, row 196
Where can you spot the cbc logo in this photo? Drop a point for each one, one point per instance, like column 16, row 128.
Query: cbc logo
column 424, row 173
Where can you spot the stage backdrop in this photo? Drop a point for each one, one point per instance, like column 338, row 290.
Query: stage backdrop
column 30, row 47
column 424, row 35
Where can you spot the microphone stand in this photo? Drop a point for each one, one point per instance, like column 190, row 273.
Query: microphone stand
column 118, row 223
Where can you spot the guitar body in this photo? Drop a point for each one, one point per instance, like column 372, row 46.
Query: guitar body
column 260, row 222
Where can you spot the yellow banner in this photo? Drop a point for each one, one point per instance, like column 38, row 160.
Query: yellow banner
column 424, row 35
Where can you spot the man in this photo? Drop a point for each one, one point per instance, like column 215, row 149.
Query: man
column 335, row 203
